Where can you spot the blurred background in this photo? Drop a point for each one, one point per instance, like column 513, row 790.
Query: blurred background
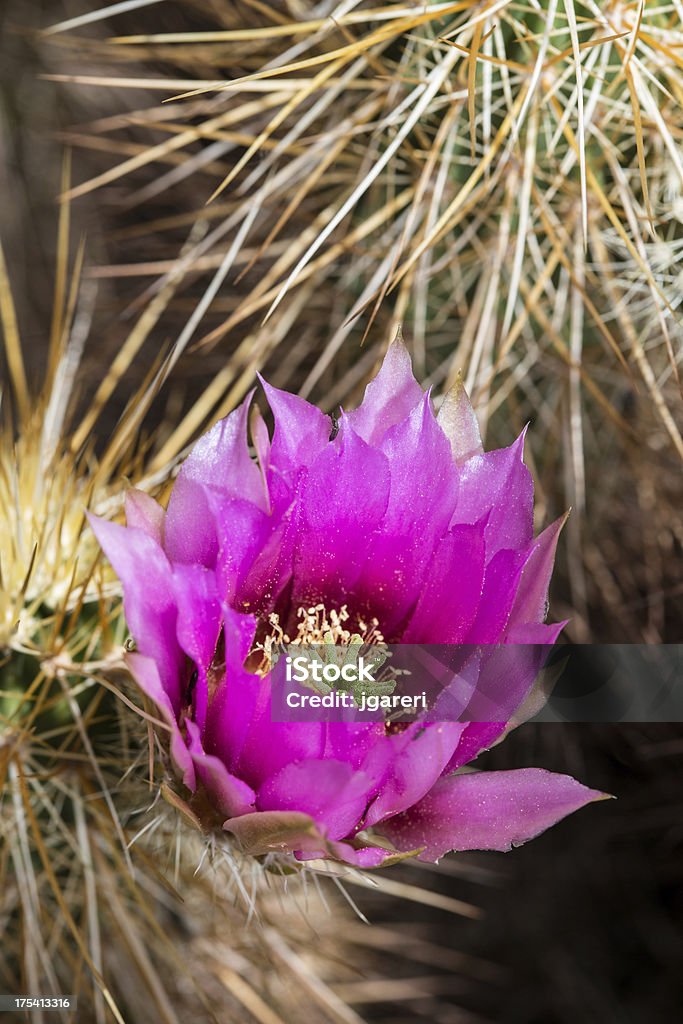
column 507, row 181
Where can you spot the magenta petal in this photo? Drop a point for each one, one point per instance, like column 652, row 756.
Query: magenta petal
column 498, row 485
column 508, row 674
column 453, row 674
column 407, row 765
column 448, row 604
column 221, row 459
column 477, row 736
column 270, row 572
column 423, row 493
column 144, row 671
column 389, row 398
column 363, row 857
column 424, row 479
column 301, row 431
column 348, row 480
column 199, row 623
column 190, row 534
column 242, row 530
column 219, row 462
column 148, row 598
column 239, row 631
column 352, row 741
column 459, row 423
column 487, row 811
column 229, row 795
column 261, row 441
column 244, row 736
column 501, row 580
column 240, row 697
column 269, row 746
column 146, row 514
column 531, row 602
column 330, row 791
column 344, row 499
column 199, row 611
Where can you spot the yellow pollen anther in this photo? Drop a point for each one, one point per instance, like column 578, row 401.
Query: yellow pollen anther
column 316, row 626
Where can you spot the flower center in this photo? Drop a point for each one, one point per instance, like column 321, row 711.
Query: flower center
column 315, row 626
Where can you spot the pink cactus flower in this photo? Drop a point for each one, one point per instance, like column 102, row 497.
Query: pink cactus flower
column 398, row 517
